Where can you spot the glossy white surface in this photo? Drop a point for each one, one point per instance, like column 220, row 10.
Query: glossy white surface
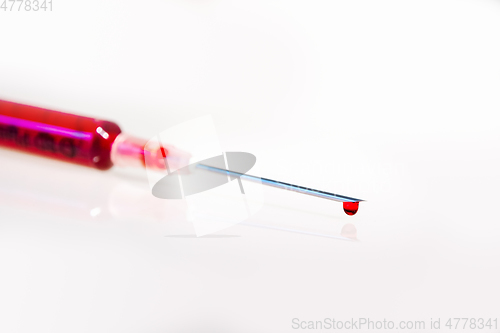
column 394, row 102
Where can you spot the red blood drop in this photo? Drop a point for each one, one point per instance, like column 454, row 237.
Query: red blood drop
column 351, row 208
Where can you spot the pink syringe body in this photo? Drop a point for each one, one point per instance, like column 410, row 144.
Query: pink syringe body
column 77, row 139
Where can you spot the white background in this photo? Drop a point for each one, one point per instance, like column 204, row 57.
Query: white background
column 394, row 102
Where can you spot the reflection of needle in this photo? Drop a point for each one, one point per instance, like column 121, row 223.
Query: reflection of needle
column 281, row 185
column 342, row 237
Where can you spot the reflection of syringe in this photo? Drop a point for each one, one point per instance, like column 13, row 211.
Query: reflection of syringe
column 115, row 198
column 81, row 140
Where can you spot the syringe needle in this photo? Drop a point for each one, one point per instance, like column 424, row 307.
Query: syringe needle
column 350, row 204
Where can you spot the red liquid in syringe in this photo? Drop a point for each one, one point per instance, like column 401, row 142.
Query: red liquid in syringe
column 58, row 135
column 82, row 140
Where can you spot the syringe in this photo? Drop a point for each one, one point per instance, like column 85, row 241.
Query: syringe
column 101, row 144
column 82, row 140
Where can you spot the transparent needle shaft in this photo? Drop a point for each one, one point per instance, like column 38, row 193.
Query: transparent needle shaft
column 282, row 185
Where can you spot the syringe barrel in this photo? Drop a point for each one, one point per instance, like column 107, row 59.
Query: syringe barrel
column 68, row 137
